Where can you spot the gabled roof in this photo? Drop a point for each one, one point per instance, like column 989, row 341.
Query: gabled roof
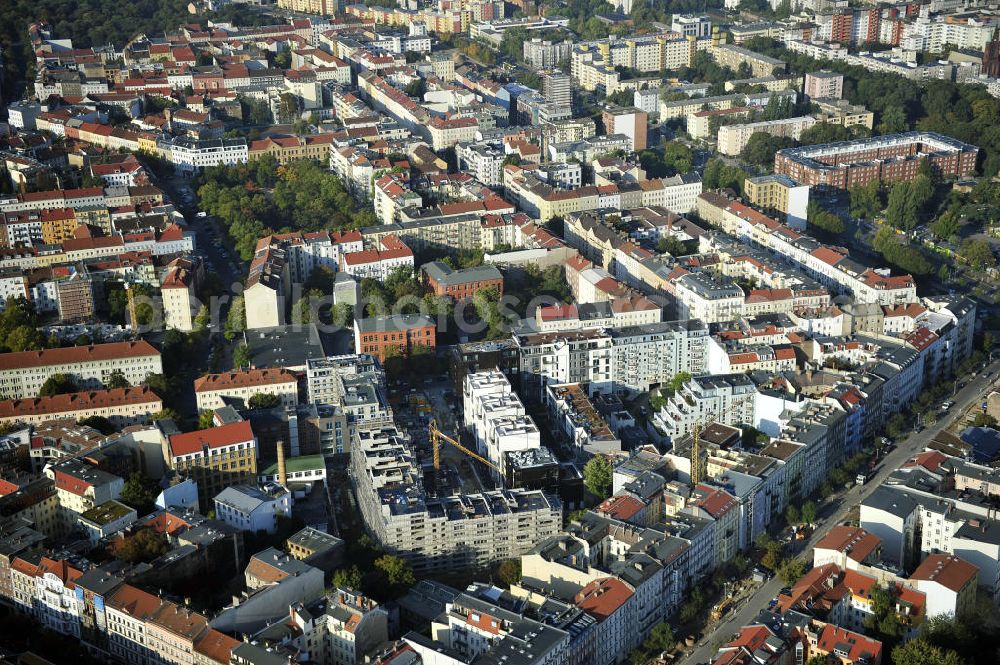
column 214, row 437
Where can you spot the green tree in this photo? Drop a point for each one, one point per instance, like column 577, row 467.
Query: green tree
column 202, row 319
column 946, row 226
column 661, row 638
column 165, row 414
column 809, row 512
column 902, row 209
column 100, row 423
column 791, row 570
column 509, row 571
column 347, row 578
column 396, row 571
column 236, row 319
column 144, row 546
column 792, row 514
column 263, row 401
column 984, row 420
column 139, row 492
column 57, row 384
column 241, row 356
column 978, row 253
column 116, row 380
column 25, row 338
column 866, row 200
column 824, row 219
column 678, row 380
column 597, row 476
column 206, row 419
column 922, row 652
column 892, row 121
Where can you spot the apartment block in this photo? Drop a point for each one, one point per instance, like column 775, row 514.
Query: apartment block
column 215, row 458
column 892, row 157
column 22, row 374
column 726, row 398
column 213, row 391
column 497, row 419
column 731, row 139
column 823, row 85
column 437, row 534
column 402, row 334
column 777, row 193
column 121, row 406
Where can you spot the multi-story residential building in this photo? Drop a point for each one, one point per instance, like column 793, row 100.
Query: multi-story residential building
column 128, row 609
column 692, row 25
column 391, row 255
column 622, row 360
column 81, row 487
column 213, row 391
column 948, row 582
column 778, row 193
column 829, row 265
column 402, row 334
column 732, row 56
column 44, row 588
column 717, row 504
column 558, row 90
column 253, row 509
column 189, row 155
column 476, row 628
column 482, row 161
column 892, row 157
column 178, row 290
column 545, row 54
column 708, row 297
column 731, row 139
column 286, row 149
column 459, row 532
column 268, row 287
column 630, row 122
column 215, row 458
column 497, row 419
column 354, row 627
column 121, row 406
column 171, row 633
column 22, row 374
column 823, row 84
column 727, row 398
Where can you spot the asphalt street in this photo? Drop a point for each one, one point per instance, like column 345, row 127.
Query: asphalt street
column 834, row 512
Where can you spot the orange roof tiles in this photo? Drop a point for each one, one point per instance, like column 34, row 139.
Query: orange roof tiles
column 947, row 570
column 856, row 542
column 214, row 437
column 95, row 399
column 254, row 377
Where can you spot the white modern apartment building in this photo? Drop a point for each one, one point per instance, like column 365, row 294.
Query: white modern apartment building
column 621, row 360
column 22, row 374
column 708, row 297
column 496, row 417
column 731, row 139
column 726, row 398
column 483, row 162
column 189, row 155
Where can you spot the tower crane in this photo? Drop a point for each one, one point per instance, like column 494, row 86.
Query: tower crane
column 437, row 436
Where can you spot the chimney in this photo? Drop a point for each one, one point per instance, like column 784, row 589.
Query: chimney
column 282, row 473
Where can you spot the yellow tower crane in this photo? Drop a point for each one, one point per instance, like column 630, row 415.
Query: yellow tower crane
column 437, row 436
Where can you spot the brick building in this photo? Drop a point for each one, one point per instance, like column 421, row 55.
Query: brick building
column 891, row 157
column 442, row 280
column 398, row 333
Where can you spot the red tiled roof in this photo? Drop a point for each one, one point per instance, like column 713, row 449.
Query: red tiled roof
column 622, row 507
column 947, row 570
column 602, row 598
column 214, row 437
column 254, row 377
column 76, row 354
column 95, row 399
column 856, row 542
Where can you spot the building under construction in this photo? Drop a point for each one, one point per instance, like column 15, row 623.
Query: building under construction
column 444, row 533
